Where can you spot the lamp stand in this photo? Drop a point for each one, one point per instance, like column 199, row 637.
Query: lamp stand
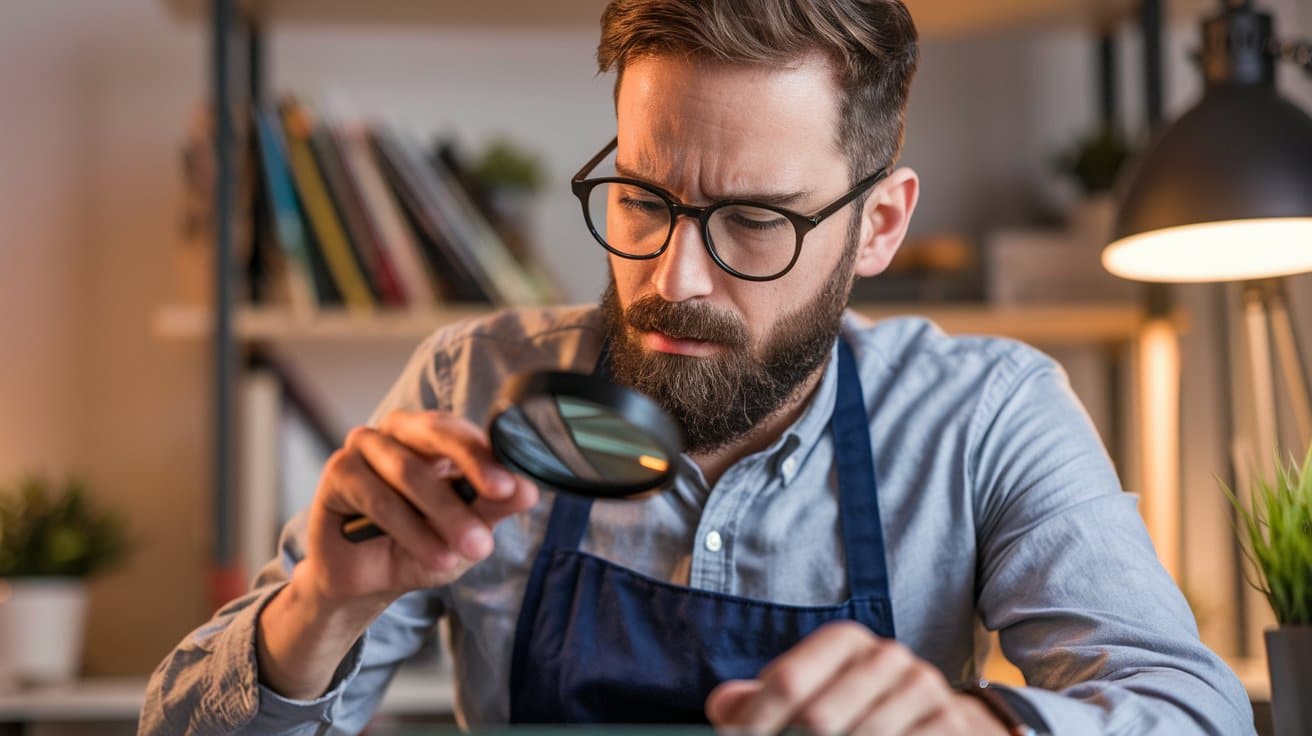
column 1268, row 380
column 1270, row 334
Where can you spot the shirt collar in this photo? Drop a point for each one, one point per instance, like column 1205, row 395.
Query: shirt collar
column 787, row 453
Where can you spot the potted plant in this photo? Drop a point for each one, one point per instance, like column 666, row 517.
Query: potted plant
column 1093, row 163
column 1275, row 530
column 51, row 540
column 513, row 179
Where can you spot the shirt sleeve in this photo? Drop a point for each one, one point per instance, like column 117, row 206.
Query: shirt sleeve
column 1069, row 578
column 209, row 683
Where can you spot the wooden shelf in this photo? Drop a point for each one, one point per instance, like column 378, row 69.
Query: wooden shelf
column 934, row 18
column 249, row 324
column 1042, row 325
column 1050, row 325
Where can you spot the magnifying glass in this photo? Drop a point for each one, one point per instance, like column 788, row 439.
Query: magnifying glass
column 576, row 433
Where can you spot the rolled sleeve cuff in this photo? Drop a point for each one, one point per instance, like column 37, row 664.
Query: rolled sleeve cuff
column 1047, row 707
column 247, row 703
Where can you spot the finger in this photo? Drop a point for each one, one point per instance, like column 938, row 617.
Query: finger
column 953, row 721
column 352, row 487
column 797, row 675
column 492, row 510
column 918, row 696
column 865, row 680
column 440, row 434
column 727, row 698
column 524, row 497
column 415, row 478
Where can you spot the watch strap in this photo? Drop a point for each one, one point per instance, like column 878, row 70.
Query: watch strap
column 1013, row 711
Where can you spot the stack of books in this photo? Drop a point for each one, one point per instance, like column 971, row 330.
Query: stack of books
column 362, row 217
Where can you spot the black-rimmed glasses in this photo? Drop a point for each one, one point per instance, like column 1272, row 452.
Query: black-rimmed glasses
column 751, row 240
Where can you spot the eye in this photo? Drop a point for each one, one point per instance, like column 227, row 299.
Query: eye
column 758, row 220
column 645, row 205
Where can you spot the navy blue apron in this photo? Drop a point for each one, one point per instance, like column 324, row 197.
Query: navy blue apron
column 598, row 643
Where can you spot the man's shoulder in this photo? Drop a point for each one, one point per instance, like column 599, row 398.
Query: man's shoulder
column 568, row 332
column 910, row 341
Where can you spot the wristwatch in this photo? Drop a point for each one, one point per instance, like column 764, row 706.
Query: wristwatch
column 1015, row 713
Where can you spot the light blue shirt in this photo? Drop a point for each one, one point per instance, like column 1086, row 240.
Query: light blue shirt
column 999, row 503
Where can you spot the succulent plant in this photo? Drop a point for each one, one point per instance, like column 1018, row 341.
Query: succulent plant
column 47, row 531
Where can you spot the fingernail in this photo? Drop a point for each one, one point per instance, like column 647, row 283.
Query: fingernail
column 475, row 544
column 502, row 483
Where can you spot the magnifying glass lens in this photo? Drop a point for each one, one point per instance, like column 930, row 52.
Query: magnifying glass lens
column 569, row 441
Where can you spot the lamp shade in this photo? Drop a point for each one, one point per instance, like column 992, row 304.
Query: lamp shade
column 1224, row 194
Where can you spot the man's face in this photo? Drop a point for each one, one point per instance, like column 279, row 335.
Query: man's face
column 719, row 352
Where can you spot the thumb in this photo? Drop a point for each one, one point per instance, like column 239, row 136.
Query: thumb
column 727, row 699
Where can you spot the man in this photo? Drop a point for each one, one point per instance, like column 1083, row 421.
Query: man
column 853, row 499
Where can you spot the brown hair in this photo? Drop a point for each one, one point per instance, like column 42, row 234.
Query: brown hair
column 872, row 44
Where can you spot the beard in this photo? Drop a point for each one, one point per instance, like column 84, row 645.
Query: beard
column 723, row 398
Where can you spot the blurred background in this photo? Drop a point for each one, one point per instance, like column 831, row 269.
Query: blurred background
column 106, row 250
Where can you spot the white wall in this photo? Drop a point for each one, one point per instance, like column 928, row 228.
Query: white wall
column 41, row 201
column 97, row 94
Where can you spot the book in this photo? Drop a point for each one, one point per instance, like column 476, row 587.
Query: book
column 329, row 233
column 295, row 270
column 419, row 286
column 360, row 232
column 459, row 275
column 470, row 239
column 493, row 209
column 258, row 494
column 511, row 282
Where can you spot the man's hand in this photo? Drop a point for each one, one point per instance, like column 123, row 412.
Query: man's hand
column 398, row 475
column 845, row 679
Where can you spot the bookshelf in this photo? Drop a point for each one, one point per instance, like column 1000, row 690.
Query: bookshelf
column 238, row 74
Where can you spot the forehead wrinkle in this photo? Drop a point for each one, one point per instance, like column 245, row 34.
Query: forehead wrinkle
column 737, row 187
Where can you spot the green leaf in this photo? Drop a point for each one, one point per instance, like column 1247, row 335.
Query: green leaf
column 46, row 531
column 1275, row 532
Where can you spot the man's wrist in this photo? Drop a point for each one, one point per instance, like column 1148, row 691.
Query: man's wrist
column 301, row 639
column 1002, row 708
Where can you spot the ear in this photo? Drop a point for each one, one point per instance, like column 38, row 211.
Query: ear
column 885, row 217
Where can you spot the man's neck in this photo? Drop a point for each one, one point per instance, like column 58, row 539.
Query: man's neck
column 713, row 464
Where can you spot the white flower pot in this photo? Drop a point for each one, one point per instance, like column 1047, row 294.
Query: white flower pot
column 42, row 621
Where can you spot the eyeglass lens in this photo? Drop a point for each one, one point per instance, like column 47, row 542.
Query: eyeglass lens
column 636, row 221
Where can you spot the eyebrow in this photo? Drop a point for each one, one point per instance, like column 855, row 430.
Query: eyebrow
column 778, row 199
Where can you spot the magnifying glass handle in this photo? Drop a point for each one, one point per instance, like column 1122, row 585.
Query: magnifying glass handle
column 359, row 528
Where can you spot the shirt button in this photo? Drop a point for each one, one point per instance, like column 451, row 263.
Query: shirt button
column 713, row 542
column 790, row 465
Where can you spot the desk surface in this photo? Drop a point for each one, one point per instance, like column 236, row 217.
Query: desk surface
column 411, row 693
column 121, row 698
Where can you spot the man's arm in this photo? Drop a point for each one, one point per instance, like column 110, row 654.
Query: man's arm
column 1068, row 575
column 211, row 683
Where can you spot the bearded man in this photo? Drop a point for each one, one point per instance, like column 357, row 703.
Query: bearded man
column 855, row 499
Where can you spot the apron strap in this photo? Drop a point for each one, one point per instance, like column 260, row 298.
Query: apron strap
column 863, row 534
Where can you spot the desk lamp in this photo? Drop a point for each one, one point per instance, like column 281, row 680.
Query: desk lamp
column 1224, row 194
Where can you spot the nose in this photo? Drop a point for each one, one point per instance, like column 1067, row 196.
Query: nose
column 685, row 270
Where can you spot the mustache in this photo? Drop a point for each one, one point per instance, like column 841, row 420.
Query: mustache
column 693, row 321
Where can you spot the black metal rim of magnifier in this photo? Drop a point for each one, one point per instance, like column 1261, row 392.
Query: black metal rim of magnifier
column 625, row 403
